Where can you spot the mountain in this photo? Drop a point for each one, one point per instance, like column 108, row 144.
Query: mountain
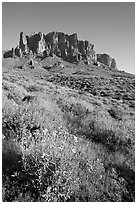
column 68, row 123
column 65, row 46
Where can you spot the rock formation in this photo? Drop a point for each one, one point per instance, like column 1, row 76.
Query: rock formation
column 18, row 52
column 9, row 53
column 65, row 46
column 68, row 47
column 107, row 60
column 23, row 43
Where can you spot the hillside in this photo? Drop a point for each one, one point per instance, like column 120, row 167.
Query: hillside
column 68, row 131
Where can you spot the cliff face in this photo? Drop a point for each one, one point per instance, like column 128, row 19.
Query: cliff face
column 9, row 53
column 65, row 46
column 107, row 60
column 68, row 47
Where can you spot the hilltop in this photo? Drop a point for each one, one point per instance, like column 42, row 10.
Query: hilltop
column 65, row 46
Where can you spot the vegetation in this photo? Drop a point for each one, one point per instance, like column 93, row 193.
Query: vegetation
column 64, row 146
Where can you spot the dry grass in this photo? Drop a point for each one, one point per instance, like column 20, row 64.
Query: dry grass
column 64, row 146
column 50, row 164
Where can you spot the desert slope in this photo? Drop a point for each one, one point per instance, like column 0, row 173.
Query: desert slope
column 68, row 132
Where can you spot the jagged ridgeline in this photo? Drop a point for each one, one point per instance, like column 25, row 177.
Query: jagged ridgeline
column 65, row 46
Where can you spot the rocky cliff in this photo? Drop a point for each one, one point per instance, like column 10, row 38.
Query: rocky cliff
column 68, row 47
column 65, row 46
column 107, row 60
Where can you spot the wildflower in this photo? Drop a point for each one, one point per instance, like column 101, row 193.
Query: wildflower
column 75, row 139
column 45, row 131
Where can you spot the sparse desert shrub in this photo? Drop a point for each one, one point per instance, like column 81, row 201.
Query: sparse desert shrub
column 8, row 104
column 5, row 86
column 13, row 91
column 55, row 165
column 59, row 167
column 21, row 126
column 98, row 126
column 28, row 98
column 38, row 114
column 53, row 155
column 33, row 88
column 132, row 104
column 112, row 134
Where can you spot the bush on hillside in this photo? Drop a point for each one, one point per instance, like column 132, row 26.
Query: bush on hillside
column 98, row 126
column 33, row 88
column 58, row 168
column 50, row 164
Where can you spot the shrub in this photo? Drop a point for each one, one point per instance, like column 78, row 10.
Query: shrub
column 11, row 156
column 116, row 112
column 98, row 126
column 56, row 167
column 41, row 114
column 48, row 163
column 33, row 88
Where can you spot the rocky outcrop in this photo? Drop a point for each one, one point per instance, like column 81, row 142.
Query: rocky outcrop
column 23, row 43
column 36, row 43
column 68, row 47
column 107, row 60
column 18, row 52
column 65, row 46
column 9, row 53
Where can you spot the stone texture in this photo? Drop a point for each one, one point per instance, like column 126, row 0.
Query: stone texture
column 10, row 53
column 65, row 46
column 23, row 43
column 113, row 64
column 107, row 60
column 68, row 47
column 18, row 52
column 36, row 43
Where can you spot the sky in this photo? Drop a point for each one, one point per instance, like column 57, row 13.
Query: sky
column 110, row 26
